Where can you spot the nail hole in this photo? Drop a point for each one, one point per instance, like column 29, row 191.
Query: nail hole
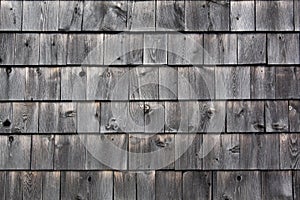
column 89, row 179
column 280, row 37
column 238, row 178
column 11, row 139
column 53, row 43
column 26, row 44
column 6, row 123
column 82, row 73
column 11, row 9
column 237, row 18
column 8, row 70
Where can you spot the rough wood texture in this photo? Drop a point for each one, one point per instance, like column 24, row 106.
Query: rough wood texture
column 287, row 82
column 155, row 49
column 88, row 112
column 141, row 15
column 170, row 15
column 274, row 15
column 146, row 185
column 296, row 185
column 70, row 15
column 5, row 117
column 251, row 48
column 25, row 118
column 15, row 152
column 294, row 116
column 168, row 88
column 12, row 81
column 48, row 117
column 185, row 49
column 124, row 185
column 281, row 187
column 27, row 49
column 42, row 83
column 51, row 185
column 53, row 49
column 207, row 15
column 40, row 15
column 74, row 83
column 169, row 181
column 7, row 51
column 276, row 116
column 242, row 15
column 262, row 83
column 232, row 82
column 255, row 151
column 87, row 185
column 237, row 185
column 297, row 15
column 197, row 185
column 31, row 184
column 220, row 49
column 105, row 15
column 10, row 15
column 245, row 116
column 85, row 49
column 115, row 49
column 289, row 151
column 13, row 186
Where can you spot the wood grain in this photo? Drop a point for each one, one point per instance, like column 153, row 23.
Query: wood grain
column 242, row 15
column 13, row 185
column 167, row 87
column 287, row 83
column 48, row 117
column 124, row 185
column 27, row 49
column 25, row 117
column 115, row 49
column 51, row 185
column 31, row 185
column 88, row 112
column 70, row 15
column 155, row 49
column 289, row 151
column 7, row 51
column 6, row 117
column 145, row 182
column 10, row 15
column 297, row 15
column 274, row 15
column 251, row 48
column 12, row 82
column 294, row 116
column 262, row 83
column 170, row 181
column 277, row 116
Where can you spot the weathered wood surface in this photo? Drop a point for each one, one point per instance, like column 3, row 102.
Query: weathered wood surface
column 197, row 185
column 7, row 53
column 289, row 151
column 274, row 15
column 242, row 15
column 287, row 83
column 168, row 185
column 10, row 15
column 124, row 185
column 262, row 83
column 146, row 185
column 276, row 116
column 70, row 15
column 294, row 116
column 155, row 49
column 25, row 117
column 27, row 49
column 12, row 81
column 88, row 112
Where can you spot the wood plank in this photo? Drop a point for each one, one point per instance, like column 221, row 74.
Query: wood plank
column 70, row 153
column 294, row 116
column 15, row 152
column 168, row 185
column 13, row 185
column 262, row 82
column 6, row 116
column 3, row 183
column 27, row 49
column 135, row 51
column 184, row 85
column 172, row 116
column 232, row 82
column 167, row 87
column 197, row 185
column 220, row 49
column 277, row 185
column 274, row 15
column 296, row 185
column 43, row 83
column 7, row 51
column 104, row 15
column 10, row 15
column 87, row 185
column 70, row 15
column 220, row 151
column 187, row 151
column 74, row 83
column 149, row 152
column 237, row 185
column 135, row 116
column 287, row 83
column 107, row 83
column 116, row 46
column 283, row 49
column 12, row 82
column 31, row 185
column 242, row 15
column 207, row 15
column 67, row 120
column 170, row 15
column 255, row 151
column 141, row 15
column 143, row 83
column 53, row 49
column 185, row 49
column 154, row 117
column 25, row 117
column 289, row 151
column 245, row 116
column 48, row 117
column 251, row 48
column 124, row 185
column 51, row 185
column 88, row 112
column 145, row 182
column 42, row 152
column 297, row 15
column 155, row 49
column 276, row 113
column 40, row 16
column 85, row 49
column 106, row 151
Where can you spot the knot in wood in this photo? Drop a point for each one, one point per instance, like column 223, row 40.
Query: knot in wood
column 112, row 124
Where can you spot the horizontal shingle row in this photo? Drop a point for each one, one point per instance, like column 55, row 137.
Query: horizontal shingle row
column 109, row 185
column 147, row 49
column 190, row 15
column 150, row 117
column 150, row 152
column 118, row 83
